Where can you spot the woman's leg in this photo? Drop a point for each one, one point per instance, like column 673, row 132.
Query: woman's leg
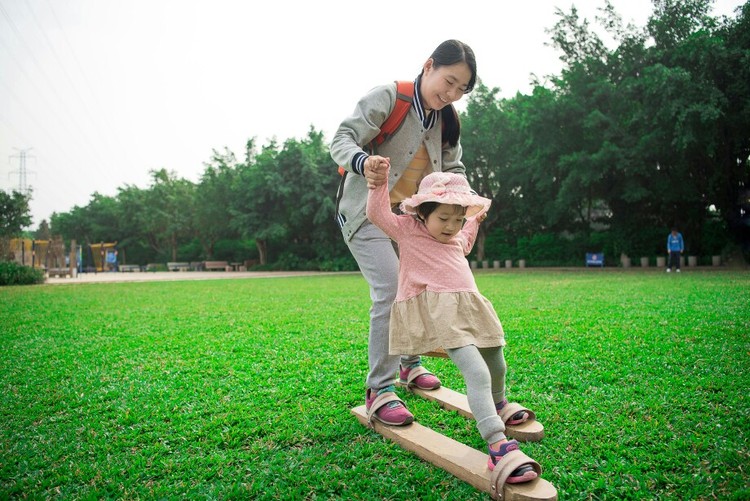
column 378, row 262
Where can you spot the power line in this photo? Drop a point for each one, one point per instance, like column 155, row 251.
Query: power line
column 69, row 116
column 85, row 104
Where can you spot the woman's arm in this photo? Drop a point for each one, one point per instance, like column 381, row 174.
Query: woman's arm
column 361, row 127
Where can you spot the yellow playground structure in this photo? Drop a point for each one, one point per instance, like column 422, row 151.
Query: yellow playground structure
column 50, row 255
column 104, row 256
column 44, row 254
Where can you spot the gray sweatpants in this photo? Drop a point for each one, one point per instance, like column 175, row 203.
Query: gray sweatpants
column 378, row 261
column 484, row 371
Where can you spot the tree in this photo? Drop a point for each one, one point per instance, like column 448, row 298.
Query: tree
column 486, row 139
column 257, row 191
column 284, row 197
column 14, row 213
column 169, row 211
column 43, row 232
column 14, row 217
column 212, row 201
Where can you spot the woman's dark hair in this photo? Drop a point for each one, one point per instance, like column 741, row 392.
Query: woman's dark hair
column 426, row 208
column 448, row 53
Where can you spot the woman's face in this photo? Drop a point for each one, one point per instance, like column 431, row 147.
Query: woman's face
column 444, row 85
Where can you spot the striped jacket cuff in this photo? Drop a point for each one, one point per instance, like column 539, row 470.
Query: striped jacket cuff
column 358, row 163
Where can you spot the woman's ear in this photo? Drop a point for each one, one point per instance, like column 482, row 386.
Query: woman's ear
column 427, row 66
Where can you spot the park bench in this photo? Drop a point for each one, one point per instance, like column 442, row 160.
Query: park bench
column 594, row 259
column 129, row 268
column 58, row 272
column 178, row 266
column 216, row 265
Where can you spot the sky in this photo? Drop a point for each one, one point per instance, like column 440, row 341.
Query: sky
column 96, row 94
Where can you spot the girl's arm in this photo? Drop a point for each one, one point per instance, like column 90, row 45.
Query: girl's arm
column 379, row 209
column 469, row 232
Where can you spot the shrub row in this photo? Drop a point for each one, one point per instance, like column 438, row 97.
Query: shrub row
column 12, row 273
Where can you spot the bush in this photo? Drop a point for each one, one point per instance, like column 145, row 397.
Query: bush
column 12, row 273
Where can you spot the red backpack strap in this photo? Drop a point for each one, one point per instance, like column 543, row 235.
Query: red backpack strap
column 404, row 98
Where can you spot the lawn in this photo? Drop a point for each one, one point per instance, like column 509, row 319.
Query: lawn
column 237, row 389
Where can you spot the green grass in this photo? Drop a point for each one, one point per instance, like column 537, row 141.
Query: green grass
column 236, row 389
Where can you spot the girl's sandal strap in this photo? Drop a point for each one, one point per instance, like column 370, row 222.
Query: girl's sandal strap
column 510, row 409
column 381, row 400
column 505, row 466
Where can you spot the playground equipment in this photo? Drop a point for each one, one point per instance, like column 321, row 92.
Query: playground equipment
column 104, row 256
column 460, row 460
column 47, row 255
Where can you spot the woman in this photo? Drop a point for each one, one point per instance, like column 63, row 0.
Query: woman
column 426, row 141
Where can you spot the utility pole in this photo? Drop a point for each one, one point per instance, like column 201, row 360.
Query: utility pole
column 23, row 186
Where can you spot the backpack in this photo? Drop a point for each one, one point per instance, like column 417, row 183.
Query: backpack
column 404, row 97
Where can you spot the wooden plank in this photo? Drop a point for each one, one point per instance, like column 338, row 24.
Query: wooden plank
column 440, row 353
column 447, row 399
column 460, row 460
column 455, row 401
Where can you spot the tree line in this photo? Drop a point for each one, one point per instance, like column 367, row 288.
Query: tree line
column 625, row 143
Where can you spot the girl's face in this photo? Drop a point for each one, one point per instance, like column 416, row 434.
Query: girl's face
column 445, row 222
column 444, row 85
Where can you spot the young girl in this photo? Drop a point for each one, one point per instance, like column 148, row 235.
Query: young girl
column 438, row 303
column 426, row 141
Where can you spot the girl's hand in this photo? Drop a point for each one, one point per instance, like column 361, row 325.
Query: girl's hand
column 480, row 216
column 376, row 170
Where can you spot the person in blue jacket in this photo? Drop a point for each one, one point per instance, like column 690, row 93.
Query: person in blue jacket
column 675, row 248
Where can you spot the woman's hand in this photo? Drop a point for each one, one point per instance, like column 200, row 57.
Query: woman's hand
column 376, row 170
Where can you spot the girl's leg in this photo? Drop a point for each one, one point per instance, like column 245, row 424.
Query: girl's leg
column 495, row 362
column 479, row 391
column 480, row 387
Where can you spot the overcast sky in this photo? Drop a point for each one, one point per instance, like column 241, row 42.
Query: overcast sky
column 97, row 93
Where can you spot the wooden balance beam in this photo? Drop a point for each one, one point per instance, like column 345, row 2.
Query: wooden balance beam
column 455, row 401
column 530, row 431
column 460, row 460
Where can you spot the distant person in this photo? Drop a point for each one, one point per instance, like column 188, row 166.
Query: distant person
column 675, row 248
column 427, row 140
column 438, row 303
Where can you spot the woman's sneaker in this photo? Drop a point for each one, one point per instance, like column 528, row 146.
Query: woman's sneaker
column 424, row 381
column 393, row 413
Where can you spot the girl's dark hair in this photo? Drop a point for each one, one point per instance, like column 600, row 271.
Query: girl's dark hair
column 448, row 53
column 426, row 208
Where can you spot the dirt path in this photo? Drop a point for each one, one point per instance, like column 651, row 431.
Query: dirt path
column 148, row 276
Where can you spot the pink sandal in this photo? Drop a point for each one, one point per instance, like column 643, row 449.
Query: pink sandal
column 522, row 468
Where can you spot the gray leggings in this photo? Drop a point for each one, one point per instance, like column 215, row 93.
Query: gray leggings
column 483, row 370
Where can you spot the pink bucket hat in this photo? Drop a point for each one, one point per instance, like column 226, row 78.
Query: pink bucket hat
column 446, row 188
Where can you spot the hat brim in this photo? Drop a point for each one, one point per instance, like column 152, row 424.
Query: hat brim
column 474, row 203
